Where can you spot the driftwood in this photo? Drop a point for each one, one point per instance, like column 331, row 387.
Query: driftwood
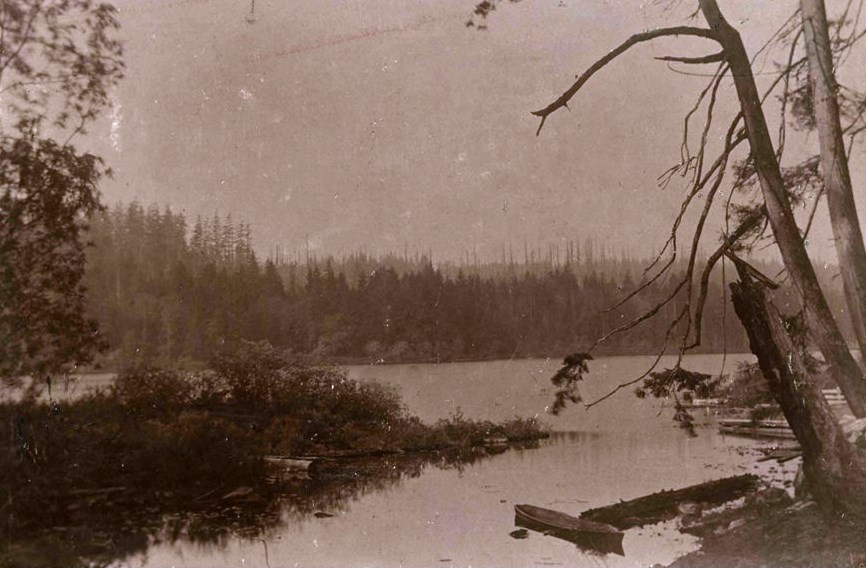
column 662, row 506
column 99, row 491
column 757, row 432
column 782, row 455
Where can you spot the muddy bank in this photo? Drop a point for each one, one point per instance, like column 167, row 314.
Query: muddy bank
column 792, row 536
column 770, row 530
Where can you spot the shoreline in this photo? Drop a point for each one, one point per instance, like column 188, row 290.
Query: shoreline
column 371, row 362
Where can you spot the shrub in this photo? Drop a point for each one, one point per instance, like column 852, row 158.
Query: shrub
column 195, row 448
column 522, row 429
column 412, row 434
column 251, row 371
column 283, row 435
column 747, row 388
column 148, row 388
column 462, row 431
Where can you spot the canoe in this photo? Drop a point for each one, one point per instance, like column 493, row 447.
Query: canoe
column 587, row 535
column 561, row 521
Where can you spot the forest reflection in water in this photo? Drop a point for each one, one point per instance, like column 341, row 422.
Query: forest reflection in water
column 417, row 509
column 110, row 527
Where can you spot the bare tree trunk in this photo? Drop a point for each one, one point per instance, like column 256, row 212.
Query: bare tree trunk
column 834, row 166
column 835, row 468
column 820, row 320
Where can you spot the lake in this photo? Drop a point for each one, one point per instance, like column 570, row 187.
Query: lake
column 462, row 516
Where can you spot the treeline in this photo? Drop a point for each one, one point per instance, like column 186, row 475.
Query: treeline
column 163, row 290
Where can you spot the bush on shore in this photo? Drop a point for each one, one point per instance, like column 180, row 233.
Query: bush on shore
column 747, row 388
column 160, row 430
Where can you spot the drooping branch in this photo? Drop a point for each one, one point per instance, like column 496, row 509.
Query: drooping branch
column 755, row 131
column 819, row 318
column 713, row 86
column 785, row 92
column 699, row 228
column 748, row 224
column 751, row 222
column 659, row 354
column 707, row 125
column 641, row 318
column 646, row 283
column 720, row 162
column 732, row 139
column 562, row 101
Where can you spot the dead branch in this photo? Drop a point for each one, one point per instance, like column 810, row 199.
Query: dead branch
column 712, row 58
column 659, row 354
column 712, row 85
column 785, row 94
column 562, row 101
column 742, row 265
column 812, row 213
column 732, row 140
column 721, row 162
column 643, row 317
column 708, row 124
column 748, row 224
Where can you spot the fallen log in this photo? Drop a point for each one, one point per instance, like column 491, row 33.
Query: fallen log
column 757, row 432
column 98, row 491
column 662, row 506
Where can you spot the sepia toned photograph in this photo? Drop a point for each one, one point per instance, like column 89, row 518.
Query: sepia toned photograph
column 444, row 283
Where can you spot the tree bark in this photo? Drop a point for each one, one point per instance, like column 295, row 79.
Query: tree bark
column 820, row 320
column 834, row 166
column 835, row 468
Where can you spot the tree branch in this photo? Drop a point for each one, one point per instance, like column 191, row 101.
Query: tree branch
column 659, row 354
column 712, row 58
column 748, row 224
column 563, row 99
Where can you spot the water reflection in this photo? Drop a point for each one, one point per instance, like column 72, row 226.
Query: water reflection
column 111, row 529
column 419, row 510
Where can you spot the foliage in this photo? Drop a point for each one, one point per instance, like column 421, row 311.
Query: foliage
column 566, row 379
column 679, row 382
column 161, row 296
column 296, row 407
column 146, row 388
column 158, row 430
column 520, row 429
column 68, row 51
column 662, row 383
column 747, row 388
column 58, row 62
column 49, row 452
column 47, row 191
column 251, row 373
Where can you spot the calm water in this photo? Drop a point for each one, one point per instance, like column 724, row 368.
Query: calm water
column 462, row 517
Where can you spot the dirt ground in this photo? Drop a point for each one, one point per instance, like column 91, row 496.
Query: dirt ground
column 789, row 537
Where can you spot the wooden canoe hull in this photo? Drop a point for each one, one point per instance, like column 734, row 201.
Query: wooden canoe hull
column 587, row 535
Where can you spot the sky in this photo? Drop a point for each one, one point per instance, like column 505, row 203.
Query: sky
column 381, row 125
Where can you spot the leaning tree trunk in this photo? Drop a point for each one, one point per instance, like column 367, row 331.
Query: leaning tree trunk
column 835, row 469
column 834, row 166
column 820, row 320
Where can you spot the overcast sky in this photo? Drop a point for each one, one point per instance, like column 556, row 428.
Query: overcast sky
column 386, row 123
